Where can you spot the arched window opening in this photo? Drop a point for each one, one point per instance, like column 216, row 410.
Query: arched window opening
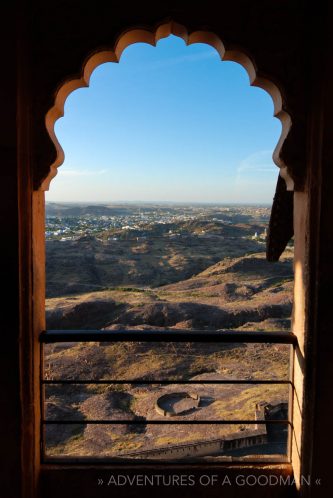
column 160, row 227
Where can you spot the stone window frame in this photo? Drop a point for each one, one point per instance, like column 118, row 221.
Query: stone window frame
column 293, row 181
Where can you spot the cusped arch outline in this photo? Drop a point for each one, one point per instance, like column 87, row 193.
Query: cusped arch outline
column 135, row 35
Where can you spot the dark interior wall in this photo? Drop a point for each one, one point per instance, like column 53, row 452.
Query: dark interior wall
column 319, row 448
column 9, row 351
column 55, row 37
column 64, row 34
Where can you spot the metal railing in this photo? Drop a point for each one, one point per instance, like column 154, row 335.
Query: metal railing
column 158, row 336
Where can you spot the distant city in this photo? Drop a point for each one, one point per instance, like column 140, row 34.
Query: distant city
column 123, row 220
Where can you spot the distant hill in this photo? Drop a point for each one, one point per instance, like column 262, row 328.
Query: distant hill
column 127, row 208
column 55, row 209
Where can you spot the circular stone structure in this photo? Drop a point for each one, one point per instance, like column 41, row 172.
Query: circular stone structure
column 176, row 403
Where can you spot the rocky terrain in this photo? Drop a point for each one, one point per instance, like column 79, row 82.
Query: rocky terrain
column 229, row 294
column 202, row 276
column 244, row 293
column 91, row 264
column 146, row 246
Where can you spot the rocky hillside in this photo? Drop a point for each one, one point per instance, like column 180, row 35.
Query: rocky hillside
column 243, row 292
column 91, row 264
column 228, row 294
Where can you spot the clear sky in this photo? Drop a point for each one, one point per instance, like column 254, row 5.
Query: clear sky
column 167, row 123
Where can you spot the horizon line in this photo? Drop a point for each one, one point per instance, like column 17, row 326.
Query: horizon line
column 105, row 203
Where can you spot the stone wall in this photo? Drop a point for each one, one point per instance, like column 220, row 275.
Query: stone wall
column 210, row 447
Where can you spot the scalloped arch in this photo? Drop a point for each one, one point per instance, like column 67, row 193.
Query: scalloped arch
column 131, row 36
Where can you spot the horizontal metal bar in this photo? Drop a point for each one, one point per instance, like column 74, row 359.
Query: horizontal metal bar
column 157, row 382
column 274, row 460
column 167, row 422
column 223, row 336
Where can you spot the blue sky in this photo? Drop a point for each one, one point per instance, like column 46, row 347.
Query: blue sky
column 167, row 123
